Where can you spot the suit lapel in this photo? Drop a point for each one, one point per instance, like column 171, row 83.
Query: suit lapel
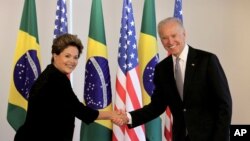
column 190, row 68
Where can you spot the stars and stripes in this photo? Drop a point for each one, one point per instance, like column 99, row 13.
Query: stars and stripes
column 168, row 114
column 168, row 125
column 178, row 9
column 128, row 90
column 61, row 24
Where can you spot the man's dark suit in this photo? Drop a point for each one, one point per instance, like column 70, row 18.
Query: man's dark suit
column 206, row 108
column 52, row 109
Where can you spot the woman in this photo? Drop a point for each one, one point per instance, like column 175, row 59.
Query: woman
column 52, row 105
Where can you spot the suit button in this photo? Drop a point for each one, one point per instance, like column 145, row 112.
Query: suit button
column 184, row 110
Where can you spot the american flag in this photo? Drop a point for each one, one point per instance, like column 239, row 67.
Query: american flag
column 168, row 125
column 169, row 117
column 128, row 91
column 178, row 9
column 61, row 24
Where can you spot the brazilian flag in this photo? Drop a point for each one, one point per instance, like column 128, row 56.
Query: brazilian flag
column 148, row 58
column 97, row 88
column 26, row 66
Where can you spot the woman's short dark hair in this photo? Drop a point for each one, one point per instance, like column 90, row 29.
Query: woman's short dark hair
column 63, row 41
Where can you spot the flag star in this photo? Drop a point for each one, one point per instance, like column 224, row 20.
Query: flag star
column 130, row 33
column 63, row 10
column 125, row 46
column 132, row 55
column 125, row 56
column 180, row 12
column 62, row 20
column 128, row 9
column 128, row 42
column 130, row 65
column 126, row 27
column 132, row 23
column 125, row 37
column 125, row 66
column 134, row 46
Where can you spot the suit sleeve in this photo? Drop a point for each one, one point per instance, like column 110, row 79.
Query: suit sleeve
column 83, row 112
column 218, row 81
column 77, row 108
column 154, row 108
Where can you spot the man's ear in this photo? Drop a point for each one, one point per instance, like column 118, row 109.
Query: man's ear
column 184, row 33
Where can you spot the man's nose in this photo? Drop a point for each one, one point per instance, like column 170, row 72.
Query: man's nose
column 170, row 41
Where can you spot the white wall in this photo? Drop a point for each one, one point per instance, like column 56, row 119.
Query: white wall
column 222, row 27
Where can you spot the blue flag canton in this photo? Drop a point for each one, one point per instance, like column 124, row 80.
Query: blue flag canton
column 127, row 55
column 61, row 24
column 178, row 9
column 97, row 89
column 26, row 71
column 148, row 75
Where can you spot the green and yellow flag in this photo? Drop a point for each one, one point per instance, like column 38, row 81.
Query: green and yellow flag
column 148, row 58
column 26, row 66
column 97, row 88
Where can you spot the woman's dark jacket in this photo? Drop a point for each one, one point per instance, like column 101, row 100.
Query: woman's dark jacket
column 52, row 108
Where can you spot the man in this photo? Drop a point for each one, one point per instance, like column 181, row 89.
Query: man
column 201, row 105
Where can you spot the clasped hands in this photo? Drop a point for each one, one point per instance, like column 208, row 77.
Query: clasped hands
column 119, row 117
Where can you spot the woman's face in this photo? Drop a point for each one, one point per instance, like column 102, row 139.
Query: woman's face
column 67, row 60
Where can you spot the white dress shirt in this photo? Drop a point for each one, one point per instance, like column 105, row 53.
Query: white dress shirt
column 183, row 61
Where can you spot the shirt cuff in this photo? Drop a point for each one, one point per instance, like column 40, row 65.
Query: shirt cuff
column 129, row 118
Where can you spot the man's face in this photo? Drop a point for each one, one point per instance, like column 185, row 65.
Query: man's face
column 173, row 37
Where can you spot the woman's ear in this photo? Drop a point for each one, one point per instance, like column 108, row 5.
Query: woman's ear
column 54, row 56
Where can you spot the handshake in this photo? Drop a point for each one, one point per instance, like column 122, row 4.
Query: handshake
column 119, row 117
